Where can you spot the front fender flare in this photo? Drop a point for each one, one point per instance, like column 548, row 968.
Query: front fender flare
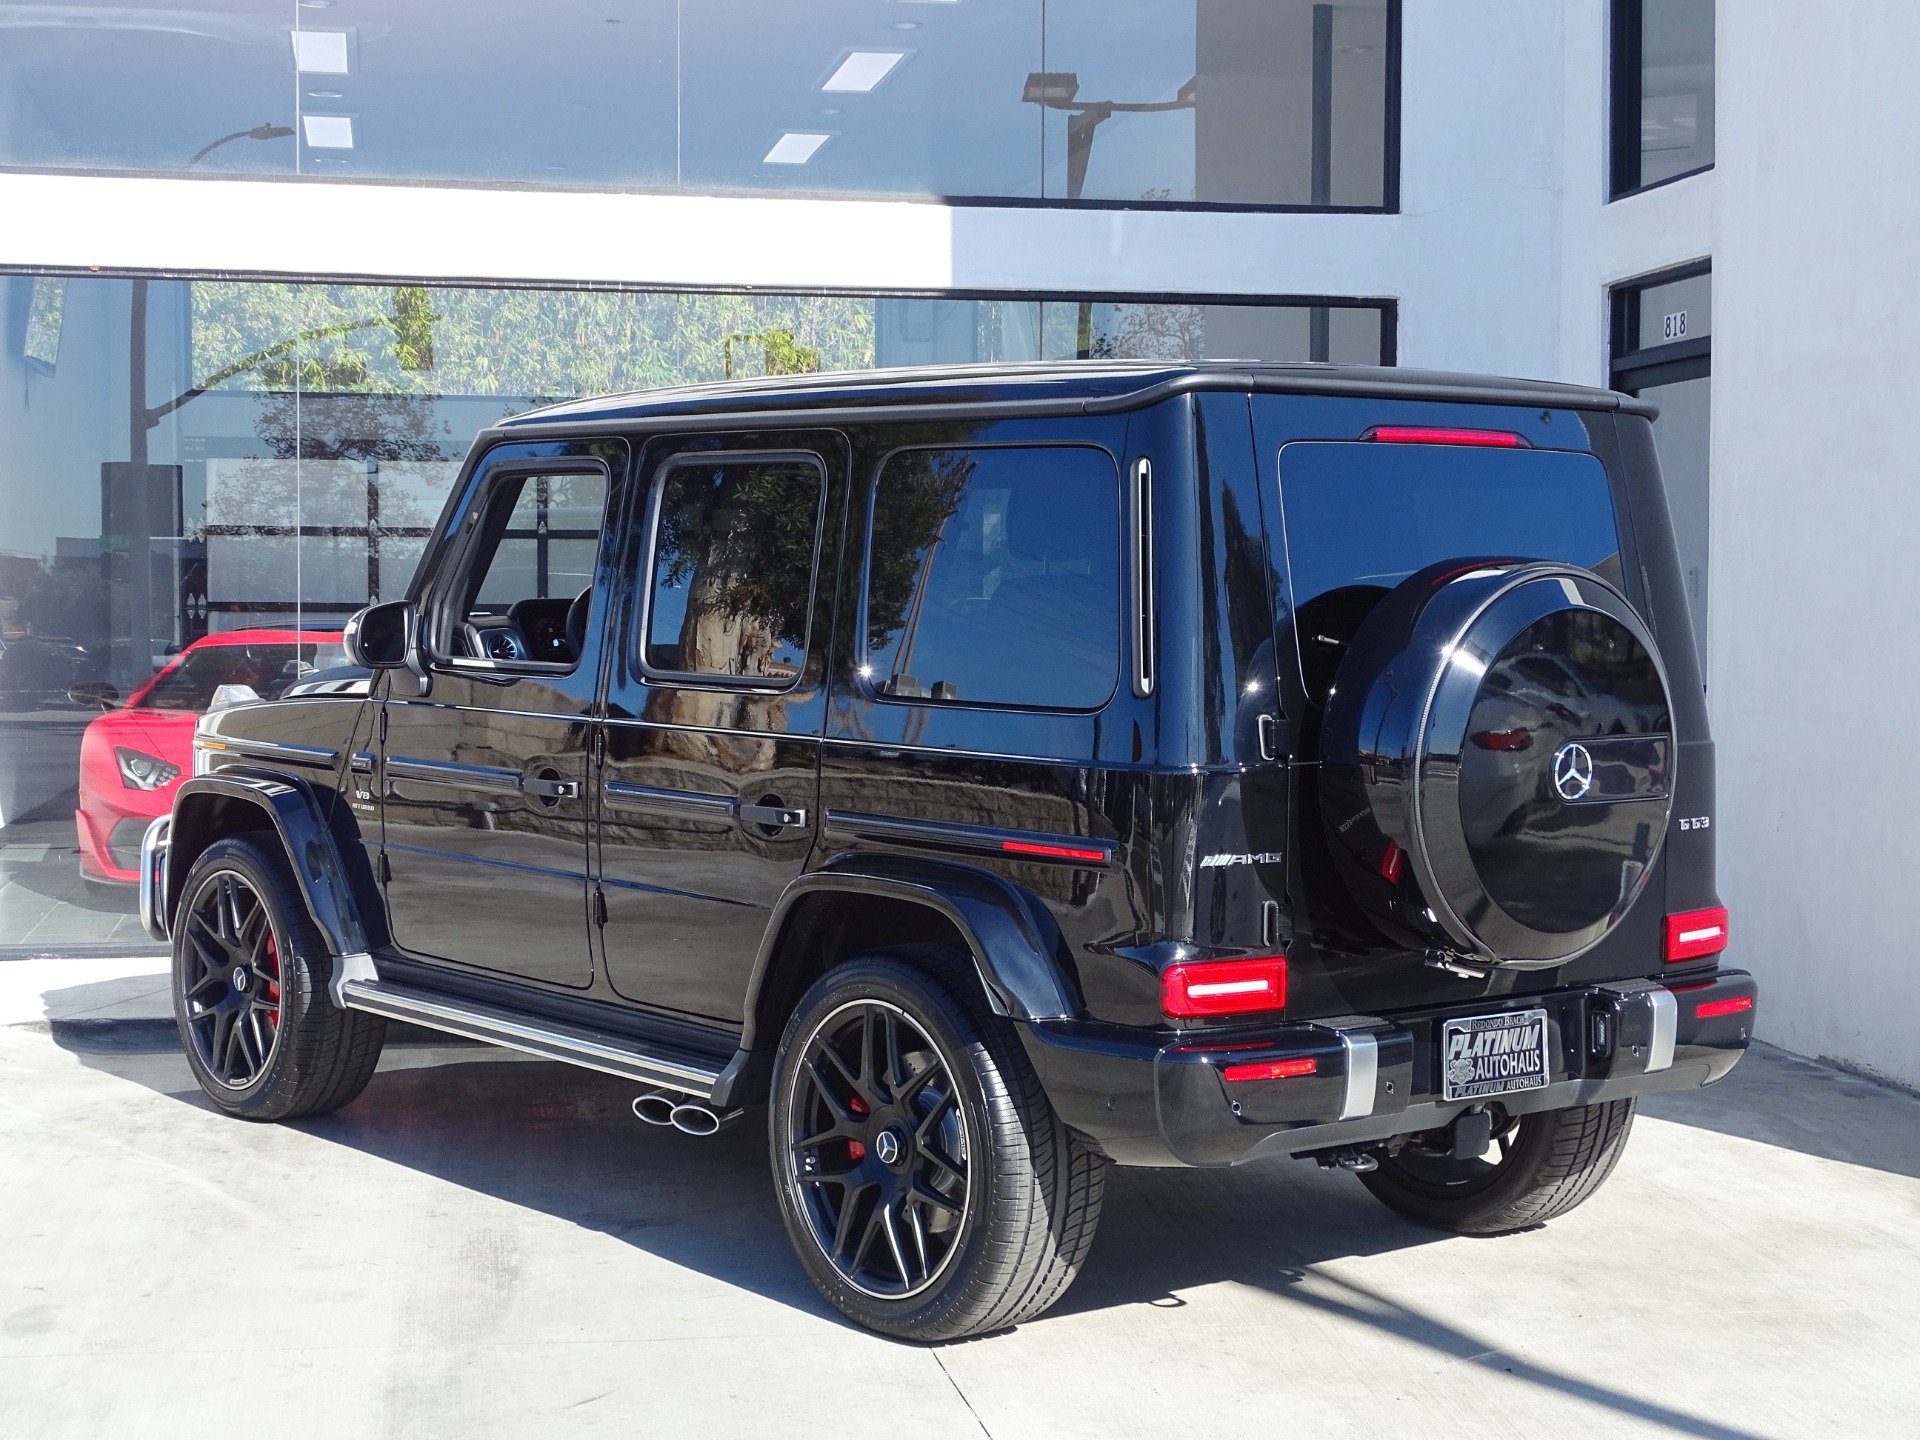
column 288, row 805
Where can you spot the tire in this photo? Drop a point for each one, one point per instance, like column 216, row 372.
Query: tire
column 985, row 1213
column 1547, row 1163
column 250, row 974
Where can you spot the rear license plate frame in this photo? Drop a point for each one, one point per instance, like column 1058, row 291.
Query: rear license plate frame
column 1485, row 1070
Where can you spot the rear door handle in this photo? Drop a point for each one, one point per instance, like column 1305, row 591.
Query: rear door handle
column 774, row 817
column 551, row 789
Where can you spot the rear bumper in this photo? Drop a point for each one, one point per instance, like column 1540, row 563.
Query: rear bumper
column 1158, row 1103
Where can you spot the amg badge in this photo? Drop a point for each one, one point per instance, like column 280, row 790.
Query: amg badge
column 1260, row 857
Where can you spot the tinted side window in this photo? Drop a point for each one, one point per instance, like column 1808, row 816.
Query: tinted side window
column 993, row 577
column 733, row 562
column 546, row 549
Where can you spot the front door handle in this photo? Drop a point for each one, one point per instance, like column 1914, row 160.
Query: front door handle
column 773, row 817
column 547, row 789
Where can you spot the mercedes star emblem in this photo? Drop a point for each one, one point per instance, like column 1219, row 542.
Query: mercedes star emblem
column 887, row 1146
column 1572, row 771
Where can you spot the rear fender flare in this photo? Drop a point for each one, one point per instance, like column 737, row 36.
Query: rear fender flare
column 211, row 807
column 1009, row 934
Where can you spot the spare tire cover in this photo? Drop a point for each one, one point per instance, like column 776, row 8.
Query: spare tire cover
column 1497, row 761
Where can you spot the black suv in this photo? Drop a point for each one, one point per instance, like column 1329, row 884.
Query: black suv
column 998, row 773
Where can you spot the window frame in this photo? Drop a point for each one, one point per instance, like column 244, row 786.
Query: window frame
column 1633, row 367
column 1626, row 163
column 443, row 610
column 863, row 657
column 652, row 674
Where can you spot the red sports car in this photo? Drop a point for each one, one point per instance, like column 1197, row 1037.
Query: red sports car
column 132, row 759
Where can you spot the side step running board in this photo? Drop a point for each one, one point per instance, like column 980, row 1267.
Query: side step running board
column 548, row 1039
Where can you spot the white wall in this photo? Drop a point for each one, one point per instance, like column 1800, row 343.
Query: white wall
column 1816, row 518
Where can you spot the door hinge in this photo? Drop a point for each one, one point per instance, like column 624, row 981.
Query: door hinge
column 599, row 906
column 1268, row 750
column 383, row 724
column 384, row 870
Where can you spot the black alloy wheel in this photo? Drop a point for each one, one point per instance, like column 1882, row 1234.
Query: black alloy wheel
column 250, row 972
column 879, row 1149
column 928, row 1187
column 231, row 984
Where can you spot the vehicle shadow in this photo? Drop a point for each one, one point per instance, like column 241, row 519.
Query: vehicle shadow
column 563, row 1141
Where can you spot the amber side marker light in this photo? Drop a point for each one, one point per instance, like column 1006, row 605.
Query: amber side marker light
column 1273, row 1069
column 1707, row 1009
column 1224, row 987
column 1695, row 933
column 1446, row 435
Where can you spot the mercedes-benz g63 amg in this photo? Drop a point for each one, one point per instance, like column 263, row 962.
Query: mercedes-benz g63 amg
column 985, row 776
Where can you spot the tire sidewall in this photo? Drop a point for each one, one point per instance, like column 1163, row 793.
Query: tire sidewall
column 1486, row 1207
column 266, row 1095
column 933, row 1008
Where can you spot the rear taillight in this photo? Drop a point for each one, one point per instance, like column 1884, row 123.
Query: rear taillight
column 1707, row 1009
column 1272, row 1069
column 1224, row 987
column 1696, row 933
column 1503, row 739
column 1446, row 435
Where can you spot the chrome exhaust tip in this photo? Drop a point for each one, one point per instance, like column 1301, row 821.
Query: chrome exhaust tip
column 656, row 1108
column 699, row 1120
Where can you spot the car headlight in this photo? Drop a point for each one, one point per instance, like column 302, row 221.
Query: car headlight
column 141, row 771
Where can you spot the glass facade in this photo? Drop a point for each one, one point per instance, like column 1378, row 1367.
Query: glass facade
column 1662, row 91
column 1253, row 102
column 230, row 463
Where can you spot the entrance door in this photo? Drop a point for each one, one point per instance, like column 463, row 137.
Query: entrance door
column 715, row 703
column 484, row 778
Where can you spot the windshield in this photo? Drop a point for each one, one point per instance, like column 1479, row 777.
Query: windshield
column 1361, row 517
column 189, row 683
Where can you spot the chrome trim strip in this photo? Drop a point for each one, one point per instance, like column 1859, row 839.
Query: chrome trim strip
column 1666, row 1028
column 681, row 804
column 975, row 839
column 549, row 1040
column 459, row 777
column 1143, row 615
column 314, row 755
column 1363, row 1072
column 153, row 878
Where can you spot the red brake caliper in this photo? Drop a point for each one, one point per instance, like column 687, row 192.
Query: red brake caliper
column 855, row 1149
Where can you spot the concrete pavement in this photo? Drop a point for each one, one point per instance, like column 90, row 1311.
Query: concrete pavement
column 489, row 1246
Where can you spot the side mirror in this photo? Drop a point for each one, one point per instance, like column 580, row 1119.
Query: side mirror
column 380, row 636
column 97, row 694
